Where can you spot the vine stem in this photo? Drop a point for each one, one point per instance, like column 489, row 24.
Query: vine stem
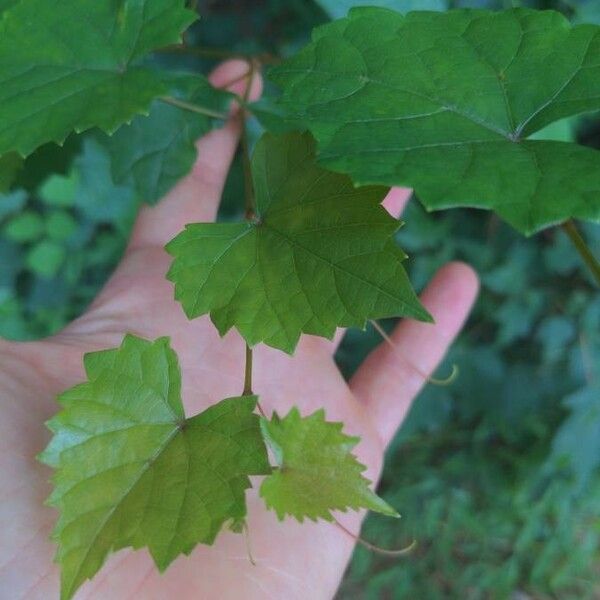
column 201, row 110
column 441, row 382
column 586, row 254
column 373, row 547
column 248, row 373
column 250, row 212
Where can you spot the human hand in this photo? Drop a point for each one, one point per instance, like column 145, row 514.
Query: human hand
column 293, row 560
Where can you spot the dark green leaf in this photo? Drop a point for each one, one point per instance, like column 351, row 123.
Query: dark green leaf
column 59, row 190
column 446, row 102
column 71, row 65
column 97, row 196
column 319, row 255
column 60, row 225
column 9, row 166
column 46, row 258
column 131, row 470
column 154, row 152
column 12, row 202
column 577, row 442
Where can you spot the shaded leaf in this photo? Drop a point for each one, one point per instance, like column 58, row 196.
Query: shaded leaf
column 154, row 152
column 10, row 164
column 577, row 441
column 317, row 473
column 131, row 470
column 46, row 257
column 96, row 195
column 25, row 226
column 319, row 255
column 446, row 102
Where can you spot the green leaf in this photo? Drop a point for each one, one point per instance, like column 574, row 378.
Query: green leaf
column 154, row 152
column 319, row 255
column 24, row 227
column 317, row 473
column 10, row 164
column 131, row 470
column 587, row 11
column 446, row 102
column 71, row 65
column 96, row 195
column 59, row 190
column 46, row 258
column 12, row 203
column 60, row 225
column 338, row 8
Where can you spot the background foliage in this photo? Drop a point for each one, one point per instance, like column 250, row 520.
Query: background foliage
column 496, row 476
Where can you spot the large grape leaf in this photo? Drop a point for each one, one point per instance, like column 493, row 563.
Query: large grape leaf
column 131, row 470
column 74, row 64
column 319, row 255
column 316, row 471
column 446, row 102
column 154, row 152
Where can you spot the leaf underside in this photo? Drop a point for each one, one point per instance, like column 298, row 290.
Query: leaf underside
column 131, row 470
column 71, row 65
column 319, row 255
column 445, row 103
column 317, row 473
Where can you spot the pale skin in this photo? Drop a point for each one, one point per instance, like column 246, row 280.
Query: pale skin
column 292, row 560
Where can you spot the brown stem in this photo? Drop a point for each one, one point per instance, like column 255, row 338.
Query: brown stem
column 373, row 547
column 201, row 110
column 584, row 251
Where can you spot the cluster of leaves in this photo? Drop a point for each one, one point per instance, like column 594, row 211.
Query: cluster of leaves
column 122, row 439
column 129, row 411
column 396, row 90
column 62, row 228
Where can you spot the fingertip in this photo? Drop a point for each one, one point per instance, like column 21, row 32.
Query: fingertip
column 456, row 284
column 396, row 200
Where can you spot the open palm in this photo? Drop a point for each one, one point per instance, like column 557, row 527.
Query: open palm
column 293, row 560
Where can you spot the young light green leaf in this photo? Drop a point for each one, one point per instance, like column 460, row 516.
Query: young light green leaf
column 131, row 470
column 71, row 65
column 317, row 472
column 319, row 255
column 446, row 102
column 154, row 152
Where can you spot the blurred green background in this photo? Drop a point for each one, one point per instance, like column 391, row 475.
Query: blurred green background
column 496, row 475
